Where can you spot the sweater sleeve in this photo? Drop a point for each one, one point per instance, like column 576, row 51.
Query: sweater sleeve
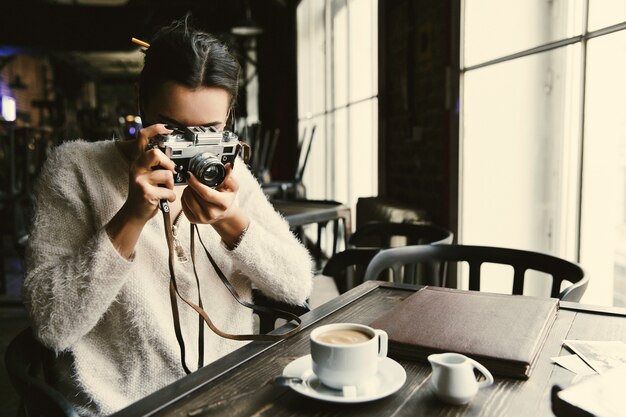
column 73, row 272
column 268, row 253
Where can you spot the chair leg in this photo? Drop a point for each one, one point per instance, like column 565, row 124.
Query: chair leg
column 21, row 411
column 266, row 323
column 335, row 235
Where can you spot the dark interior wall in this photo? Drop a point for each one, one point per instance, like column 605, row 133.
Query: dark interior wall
column 418, row 105
column 278, row 84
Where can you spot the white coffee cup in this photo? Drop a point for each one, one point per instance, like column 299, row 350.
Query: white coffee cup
column 346, row 354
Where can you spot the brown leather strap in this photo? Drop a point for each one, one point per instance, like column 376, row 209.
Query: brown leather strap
column 200, row 319
column 203, row 315
column 273, row 311
column 165, row 208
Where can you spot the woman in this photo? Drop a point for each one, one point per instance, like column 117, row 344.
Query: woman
column 97, row 264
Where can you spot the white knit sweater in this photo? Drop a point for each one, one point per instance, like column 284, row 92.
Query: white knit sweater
column 108, row 318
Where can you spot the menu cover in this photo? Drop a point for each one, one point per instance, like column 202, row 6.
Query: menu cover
column 503, row 332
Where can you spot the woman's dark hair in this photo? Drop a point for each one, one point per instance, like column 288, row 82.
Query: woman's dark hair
column 178, row 52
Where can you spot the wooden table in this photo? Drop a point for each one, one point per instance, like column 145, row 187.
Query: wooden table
column 300, row 213
column 237, row 384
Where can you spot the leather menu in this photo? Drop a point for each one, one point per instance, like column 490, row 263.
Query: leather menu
column 503, row 332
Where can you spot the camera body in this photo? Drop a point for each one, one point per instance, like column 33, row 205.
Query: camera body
column 202, row 150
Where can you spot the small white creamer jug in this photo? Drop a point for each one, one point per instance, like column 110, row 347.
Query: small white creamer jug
column 453, row 377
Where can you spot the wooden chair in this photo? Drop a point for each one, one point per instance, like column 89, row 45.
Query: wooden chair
column 292, row 188
column 434, row 256
column 346, row 268
column 375, row 236
column 25, row 360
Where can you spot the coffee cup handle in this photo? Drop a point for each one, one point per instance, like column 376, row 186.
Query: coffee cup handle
column 488, row 377
column 382, row 342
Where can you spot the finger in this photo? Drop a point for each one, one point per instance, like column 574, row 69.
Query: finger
column 204, row 192
column 191, row 208
column 160, row 193
column 153, row 193
column 229, row 183
column 149, row 132
column 155, row 158
column 161, row 177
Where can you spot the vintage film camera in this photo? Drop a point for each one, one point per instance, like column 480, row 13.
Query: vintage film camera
column 202, row 150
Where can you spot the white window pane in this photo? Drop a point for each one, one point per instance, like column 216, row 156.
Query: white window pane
column 311, row 58
column 343, row 160
column 494, row 28
column 339, row 16
column 315, row 173
column 340, row 156
column 502, row 284
column 519, row 153
column 603, row 223
column 363, row 151
column 363, row 48
column 304, row 93
column 603, row 13
column 317, row 60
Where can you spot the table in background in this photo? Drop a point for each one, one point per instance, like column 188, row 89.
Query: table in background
column 299, row 213
column 237, row 383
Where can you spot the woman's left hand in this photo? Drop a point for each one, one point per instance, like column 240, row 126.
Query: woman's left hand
column 205, row 205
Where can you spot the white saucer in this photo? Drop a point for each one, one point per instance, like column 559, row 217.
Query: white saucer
column 389, row 379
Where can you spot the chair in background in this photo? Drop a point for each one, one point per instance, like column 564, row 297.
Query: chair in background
column 347, row 268
column 25, row 361
column 303, row 213
column 262, row 151
column 434, row 256
column 384, row 209
column 293, row 187
column 267, row 322
column 387, row 235
column 381, row 234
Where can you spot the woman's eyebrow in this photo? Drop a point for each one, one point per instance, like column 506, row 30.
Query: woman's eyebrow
column 179, row 124
column 215, row 123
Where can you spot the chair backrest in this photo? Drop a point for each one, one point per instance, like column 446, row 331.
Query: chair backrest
column 387, row 234
column 343, row 267
column 302, row 159
column 380, row 234
column 24, row 361
column 521, row 261
column 384, row 209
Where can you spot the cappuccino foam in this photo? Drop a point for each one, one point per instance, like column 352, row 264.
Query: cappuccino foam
column 343, row 337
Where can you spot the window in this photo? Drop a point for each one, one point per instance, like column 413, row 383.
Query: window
column 543, row 134
column 337, row 93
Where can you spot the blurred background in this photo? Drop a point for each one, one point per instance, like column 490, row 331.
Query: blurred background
column 502, row 121
column 414, row 103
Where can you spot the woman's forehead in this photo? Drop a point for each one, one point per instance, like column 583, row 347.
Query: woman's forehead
column 189, row 107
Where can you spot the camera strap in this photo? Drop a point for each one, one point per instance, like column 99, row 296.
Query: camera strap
column 203, row 316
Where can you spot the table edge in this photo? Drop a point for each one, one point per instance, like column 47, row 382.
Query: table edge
column 185, row 386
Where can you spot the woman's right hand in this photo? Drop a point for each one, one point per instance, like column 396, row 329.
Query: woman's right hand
column 147, row 186
column 150, row 177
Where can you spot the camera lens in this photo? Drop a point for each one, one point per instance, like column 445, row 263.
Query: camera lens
column 208, row 169
column 210, row 174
